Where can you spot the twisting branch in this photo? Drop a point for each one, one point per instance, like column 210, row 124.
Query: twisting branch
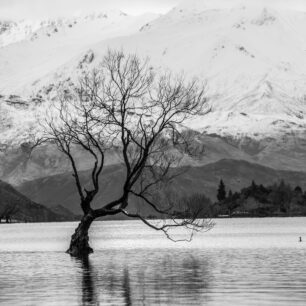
column 194, row 225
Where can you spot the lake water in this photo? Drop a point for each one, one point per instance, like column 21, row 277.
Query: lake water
column 239, row 262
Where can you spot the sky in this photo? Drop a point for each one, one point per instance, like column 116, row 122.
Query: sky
column 18, row 9
column 299, row 5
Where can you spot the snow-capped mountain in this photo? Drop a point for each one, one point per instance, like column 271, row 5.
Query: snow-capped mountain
column 29, row 50
column 26, row 29
column 252, row 57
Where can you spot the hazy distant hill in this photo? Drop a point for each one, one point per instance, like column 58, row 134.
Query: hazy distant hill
column 27, row 210
column 60, row 189
column 286, row 153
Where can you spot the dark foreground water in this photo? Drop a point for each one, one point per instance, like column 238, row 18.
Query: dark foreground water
column 239, row 262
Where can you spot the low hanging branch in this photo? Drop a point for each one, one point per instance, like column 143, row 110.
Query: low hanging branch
column 123, row 106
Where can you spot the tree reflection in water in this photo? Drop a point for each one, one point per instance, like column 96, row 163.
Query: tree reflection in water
column 89, row 296
column 126, row 288
column 144, row 278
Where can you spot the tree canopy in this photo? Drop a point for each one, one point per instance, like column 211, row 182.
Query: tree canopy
column 124, row 107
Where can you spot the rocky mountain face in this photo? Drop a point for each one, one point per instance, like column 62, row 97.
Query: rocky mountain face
column 251, row 57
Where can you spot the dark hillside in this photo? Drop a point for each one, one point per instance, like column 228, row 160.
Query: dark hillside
column 18, row 207
column 237, row 174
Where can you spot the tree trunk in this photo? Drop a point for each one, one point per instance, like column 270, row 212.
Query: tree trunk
column 79, row 246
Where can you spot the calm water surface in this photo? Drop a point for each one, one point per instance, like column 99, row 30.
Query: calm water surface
column 239, row 262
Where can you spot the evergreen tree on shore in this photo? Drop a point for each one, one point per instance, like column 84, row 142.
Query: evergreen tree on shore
column 221, row 194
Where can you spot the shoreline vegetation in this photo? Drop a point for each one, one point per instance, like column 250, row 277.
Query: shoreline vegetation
column 276, row 200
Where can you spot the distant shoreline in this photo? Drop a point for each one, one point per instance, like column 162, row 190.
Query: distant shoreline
column 112, row 220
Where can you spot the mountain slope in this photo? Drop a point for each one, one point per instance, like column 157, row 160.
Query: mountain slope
column 236, row 174
column 25, row 209
column 285, row 153
column 30, row 50
column 257, row 68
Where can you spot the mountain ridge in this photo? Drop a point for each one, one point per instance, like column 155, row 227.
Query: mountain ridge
column 203, row 179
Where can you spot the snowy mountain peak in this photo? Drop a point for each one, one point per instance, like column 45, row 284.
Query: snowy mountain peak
column 201, row 5
column 27, row 29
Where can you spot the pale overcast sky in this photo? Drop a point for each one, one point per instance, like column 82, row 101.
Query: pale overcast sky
column 18, row 9
column 52, row 8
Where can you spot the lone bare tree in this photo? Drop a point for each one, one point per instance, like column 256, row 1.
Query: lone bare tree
column 123, row 106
